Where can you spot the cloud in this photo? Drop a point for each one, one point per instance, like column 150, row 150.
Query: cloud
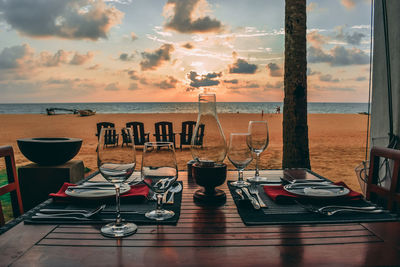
column 361, row 78
column 79, row 59
column 274, row 70
column 328, row 78
column 152, row 60
column 188, row 45
column 70, row 19
column 242, row 66
column 47, row 59
column 311, row 7
column 94, row 67
column 143, row 81
column 183, row 20
column 269, row 86
column 333, row 88
column 15, row 56
column 133, row 75
column 349, row 4
column 350, row 38
column 112, row 87
column 316, row 39
column 134, row 36
column 203, row 80
column 233, row 81
column 337, row 56
column 133, row 87
column 169, row 83
column 126, row 57
column 311, row 72
column 246, row 85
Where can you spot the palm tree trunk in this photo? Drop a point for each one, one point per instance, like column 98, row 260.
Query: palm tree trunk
column 295, row 129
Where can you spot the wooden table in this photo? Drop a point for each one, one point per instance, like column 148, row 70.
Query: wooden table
column 205, row 237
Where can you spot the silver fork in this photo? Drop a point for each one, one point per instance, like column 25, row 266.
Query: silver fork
column 86, row 215
column 254, row 190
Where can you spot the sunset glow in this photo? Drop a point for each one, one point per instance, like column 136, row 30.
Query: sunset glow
column 170, row 50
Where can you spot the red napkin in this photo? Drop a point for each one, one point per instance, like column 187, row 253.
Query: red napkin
column 278, row 194
column 136, row 190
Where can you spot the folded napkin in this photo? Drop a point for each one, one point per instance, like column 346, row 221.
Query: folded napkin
column 140, row 190
column 278, row 194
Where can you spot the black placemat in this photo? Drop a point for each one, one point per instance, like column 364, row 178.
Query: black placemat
column 293, row 213
column 108, row 214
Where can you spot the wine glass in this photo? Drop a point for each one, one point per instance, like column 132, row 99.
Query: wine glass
column 259, row 140
column 159, row 173
column 116, row 164
column 240, row 155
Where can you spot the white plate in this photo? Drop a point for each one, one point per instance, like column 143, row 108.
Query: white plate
column 316, row 190
column 95, row 193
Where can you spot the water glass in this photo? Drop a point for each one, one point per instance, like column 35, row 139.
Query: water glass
column 159, row 173
column 240, row 155
column 259, row 139
column 116, row 164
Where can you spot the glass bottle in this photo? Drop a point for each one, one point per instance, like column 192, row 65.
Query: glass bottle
column 208, row 145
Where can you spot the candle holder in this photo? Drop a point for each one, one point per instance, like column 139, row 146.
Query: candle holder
column 209, row 177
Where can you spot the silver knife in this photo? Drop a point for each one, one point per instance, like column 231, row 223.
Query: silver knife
column 254, row 201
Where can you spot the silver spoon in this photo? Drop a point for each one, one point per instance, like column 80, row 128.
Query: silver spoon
column 176, row 188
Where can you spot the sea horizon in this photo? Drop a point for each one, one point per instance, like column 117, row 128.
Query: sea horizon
column 179, row 107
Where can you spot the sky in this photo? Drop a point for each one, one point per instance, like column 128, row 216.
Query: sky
column 171, row 50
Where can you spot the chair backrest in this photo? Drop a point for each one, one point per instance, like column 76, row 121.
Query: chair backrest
column 137, row 132
column 388, row 196
column 110, row 136
column 199, row 141
column 13, row 185
column 187, row 132
column 125, row 136
column 164, row 131
column 104, row 125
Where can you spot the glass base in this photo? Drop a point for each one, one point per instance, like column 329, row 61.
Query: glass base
column 240, row 183
column 258, row 179
column 160, row 215
column 121, row 230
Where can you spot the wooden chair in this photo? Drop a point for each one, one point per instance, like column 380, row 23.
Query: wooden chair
column 103, row 125
column 187, row 133
column 13, row 184
column 110, row 137
column 164, row 132
column 126, row 138
column 388, row 196
column 139, row 136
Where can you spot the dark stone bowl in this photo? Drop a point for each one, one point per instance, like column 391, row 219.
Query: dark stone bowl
column 49, row 151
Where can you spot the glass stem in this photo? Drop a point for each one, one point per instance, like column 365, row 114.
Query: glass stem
column 240, row 175
column 117, row 199
column 159, row 201
column 257, row 162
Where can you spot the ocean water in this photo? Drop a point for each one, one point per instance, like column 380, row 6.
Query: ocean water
column 180, row 107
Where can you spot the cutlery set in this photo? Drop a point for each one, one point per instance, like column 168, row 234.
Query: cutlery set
column 257, row 203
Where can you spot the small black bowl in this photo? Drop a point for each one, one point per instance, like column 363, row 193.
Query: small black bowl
column 49, row 151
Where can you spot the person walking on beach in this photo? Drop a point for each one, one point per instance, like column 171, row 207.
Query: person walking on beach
column 278, row 110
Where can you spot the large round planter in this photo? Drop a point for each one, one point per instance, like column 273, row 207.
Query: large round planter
column 49, row 151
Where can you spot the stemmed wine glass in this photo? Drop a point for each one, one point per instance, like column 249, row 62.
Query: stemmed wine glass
column 240, row 155
column 259, row 139
column 159, row 173
column 116, row 164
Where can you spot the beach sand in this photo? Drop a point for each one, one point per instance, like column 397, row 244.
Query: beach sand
column 337, row 141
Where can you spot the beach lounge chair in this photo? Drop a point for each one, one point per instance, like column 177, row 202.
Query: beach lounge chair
column 164, row 132
column 110, row 137
column 12, row 187
column 139, row 136
column 387, row 196
column 187, row 133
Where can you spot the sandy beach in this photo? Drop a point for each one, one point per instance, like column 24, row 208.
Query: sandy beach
column 337, row 141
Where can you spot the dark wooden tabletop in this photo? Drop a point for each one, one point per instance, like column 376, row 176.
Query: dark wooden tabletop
column 205, row 237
